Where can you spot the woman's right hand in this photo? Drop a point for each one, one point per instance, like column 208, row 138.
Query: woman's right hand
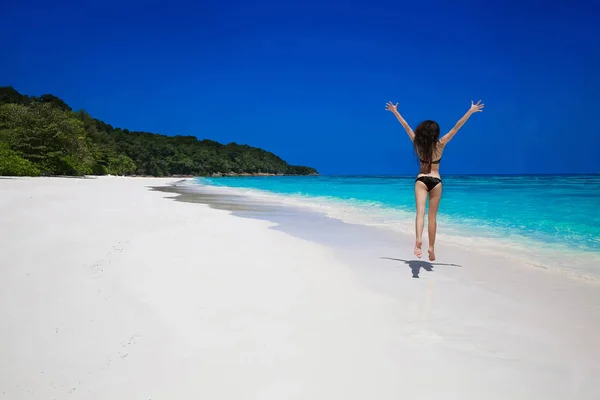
column 391, row 107
column 476, row 107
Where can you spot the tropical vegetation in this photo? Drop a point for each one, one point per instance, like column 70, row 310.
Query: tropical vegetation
column 44, row 136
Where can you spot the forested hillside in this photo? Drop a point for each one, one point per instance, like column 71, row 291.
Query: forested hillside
column 44, row 136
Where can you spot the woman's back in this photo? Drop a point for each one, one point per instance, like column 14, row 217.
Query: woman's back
column 433, row 167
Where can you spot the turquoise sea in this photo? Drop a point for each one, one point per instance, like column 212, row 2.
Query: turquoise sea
column 546, row 221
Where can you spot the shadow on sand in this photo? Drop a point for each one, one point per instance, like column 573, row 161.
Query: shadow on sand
column 416, row 265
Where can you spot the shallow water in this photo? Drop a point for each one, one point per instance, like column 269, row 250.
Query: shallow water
column 546, row 221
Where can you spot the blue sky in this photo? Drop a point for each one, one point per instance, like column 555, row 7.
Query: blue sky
column 309, row 80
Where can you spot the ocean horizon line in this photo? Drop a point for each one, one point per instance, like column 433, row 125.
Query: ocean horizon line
column 375, row 175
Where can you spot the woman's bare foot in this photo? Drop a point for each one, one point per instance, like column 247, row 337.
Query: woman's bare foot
column 418, row 252
column 431, row 254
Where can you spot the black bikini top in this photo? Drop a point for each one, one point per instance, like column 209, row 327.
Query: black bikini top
column 433, row 162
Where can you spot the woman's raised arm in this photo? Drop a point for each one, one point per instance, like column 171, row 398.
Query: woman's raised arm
column 474, row 108
column 394, row 109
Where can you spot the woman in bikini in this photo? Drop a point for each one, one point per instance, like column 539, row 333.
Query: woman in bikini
column 429, row 148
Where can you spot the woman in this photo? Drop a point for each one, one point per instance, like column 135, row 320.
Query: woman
column 429, row 148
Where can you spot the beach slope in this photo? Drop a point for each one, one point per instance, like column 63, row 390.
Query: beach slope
column 108, row 290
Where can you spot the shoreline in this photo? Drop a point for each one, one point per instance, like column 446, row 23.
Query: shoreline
column 171, row 299
column 216, row 175
column 518, row 250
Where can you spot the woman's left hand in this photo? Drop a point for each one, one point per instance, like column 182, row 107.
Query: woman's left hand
column 391, row 107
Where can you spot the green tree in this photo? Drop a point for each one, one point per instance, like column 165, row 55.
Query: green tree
column 8, row 95
column 49, row 137
column 121, row 165
column 55, row 102
column 11, row 164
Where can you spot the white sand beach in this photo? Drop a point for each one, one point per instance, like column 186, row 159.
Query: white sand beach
column 109, row 290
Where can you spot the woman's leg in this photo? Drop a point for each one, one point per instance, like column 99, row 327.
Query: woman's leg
column 420, row 199
column 434, row 201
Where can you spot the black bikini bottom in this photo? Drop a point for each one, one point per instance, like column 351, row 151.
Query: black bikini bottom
column 429, row 181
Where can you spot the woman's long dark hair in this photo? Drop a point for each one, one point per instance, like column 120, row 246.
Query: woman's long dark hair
column 426, row 140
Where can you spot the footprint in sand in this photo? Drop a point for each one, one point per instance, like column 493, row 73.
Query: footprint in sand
column 112, row 255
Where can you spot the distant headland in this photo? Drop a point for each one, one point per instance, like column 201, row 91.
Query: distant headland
column 44, row 136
